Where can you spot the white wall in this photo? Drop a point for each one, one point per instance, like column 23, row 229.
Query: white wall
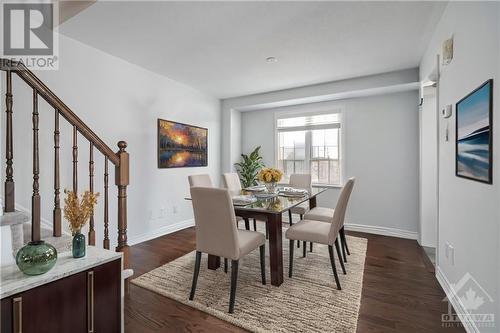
column 381, row 151
column 373, row 84
column 428, row 169
column 118, row 101
column 469, row 211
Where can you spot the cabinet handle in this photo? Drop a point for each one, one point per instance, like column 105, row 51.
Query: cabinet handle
column 90, row 301
column 17, row 313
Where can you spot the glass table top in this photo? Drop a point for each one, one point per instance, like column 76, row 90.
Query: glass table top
column 277, row 204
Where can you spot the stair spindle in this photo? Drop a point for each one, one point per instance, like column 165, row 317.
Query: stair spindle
column 56, row 228
column 75, row 160
column 106, row 205
column 91, row 187
column 35, row 199
column 9, row 151
column 119, row 159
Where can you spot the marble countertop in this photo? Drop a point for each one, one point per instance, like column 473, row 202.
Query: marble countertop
column 13, row 281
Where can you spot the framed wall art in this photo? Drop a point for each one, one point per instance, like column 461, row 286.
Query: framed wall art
column 181, row 145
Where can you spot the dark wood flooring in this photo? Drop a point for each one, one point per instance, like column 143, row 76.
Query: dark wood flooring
column 400, row 291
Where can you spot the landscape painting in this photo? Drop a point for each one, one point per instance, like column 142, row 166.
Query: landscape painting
column 474, row 134
column 181, row 145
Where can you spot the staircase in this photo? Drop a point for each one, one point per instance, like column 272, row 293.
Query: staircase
column 18, row 220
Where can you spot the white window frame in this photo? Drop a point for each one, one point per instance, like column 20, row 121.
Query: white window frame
column 338, row 109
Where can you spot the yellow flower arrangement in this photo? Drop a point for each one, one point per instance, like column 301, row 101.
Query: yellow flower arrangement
column 270, row 175
column 78, row 212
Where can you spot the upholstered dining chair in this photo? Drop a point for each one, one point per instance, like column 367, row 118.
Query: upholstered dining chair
column 200, row 181
column 217, row 234
column 322, row 233
column 232, row 183
column 204, row 180
column 325, row 214
column 300, row 181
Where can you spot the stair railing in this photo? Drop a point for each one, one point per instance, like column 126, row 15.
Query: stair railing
column 120, row 159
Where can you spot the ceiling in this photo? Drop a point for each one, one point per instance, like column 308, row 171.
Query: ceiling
column 221, row 47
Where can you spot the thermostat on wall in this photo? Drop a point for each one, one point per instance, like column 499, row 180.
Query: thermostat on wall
column 446, row 112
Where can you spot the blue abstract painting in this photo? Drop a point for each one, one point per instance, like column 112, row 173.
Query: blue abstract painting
column 474, row 134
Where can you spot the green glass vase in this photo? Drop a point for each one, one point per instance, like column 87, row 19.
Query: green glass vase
column 78, row 245
column 36, row 258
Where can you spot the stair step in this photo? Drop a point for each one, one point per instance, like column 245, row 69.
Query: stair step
column 62, row 244
column 13, row 218
column 126, row 273
column 45, row 232
column 20, row 231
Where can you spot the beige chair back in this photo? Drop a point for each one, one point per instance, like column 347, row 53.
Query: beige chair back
column 215, row 222
column 340, row 210
column 301, row 181
column 200, row 181
column 232, row 183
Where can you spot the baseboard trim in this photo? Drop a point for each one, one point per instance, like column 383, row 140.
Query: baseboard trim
column 385, row 231
column 456, row 302
column 168, row 229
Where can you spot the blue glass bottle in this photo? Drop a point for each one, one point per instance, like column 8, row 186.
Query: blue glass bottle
column 78, row 245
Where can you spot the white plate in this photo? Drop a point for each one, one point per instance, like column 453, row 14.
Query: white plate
column 257, row 188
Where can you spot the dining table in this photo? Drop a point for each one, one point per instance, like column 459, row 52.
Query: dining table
column 270, row 210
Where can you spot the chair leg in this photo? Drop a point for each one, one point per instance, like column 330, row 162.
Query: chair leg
column 247, row 224
column 290, row 217
column 337, row 247
column 263, row 263
column 234, row 279
column 344, row 241
column 311, row 247
column 195, row 275
column 254, row 225
column 290, row 266
column 304, row 250
column 225, row 265
column 342, row 246
column 332, row 261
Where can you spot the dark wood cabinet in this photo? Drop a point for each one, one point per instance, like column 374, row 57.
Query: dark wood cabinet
column 107, row 297
column 89, row 301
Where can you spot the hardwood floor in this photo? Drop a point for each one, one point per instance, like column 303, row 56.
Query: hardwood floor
column 400, row 292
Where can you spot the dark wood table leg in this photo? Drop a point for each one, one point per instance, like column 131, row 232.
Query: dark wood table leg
column 213, row 262
column 275, row 248
column 312, row 202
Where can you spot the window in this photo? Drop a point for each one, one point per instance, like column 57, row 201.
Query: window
column 310, row 144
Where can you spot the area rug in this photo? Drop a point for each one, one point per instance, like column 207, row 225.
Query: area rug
column 308, row 302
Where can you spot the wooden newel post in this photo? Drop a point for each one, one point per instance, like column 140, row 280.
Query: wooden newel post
column 122, row 181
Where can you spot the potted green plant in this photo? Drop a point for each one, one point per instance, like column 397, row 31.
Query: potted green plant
column 249, row 168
